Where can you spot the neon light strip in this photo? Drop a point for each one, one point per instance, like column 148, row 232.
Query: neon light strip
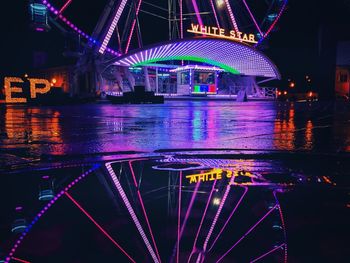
column 202, row 220
column 192, row 58
column 179, row 219
column 253, row 18
column 181, row 21
column 98, row 226
column 267, row 253
column 250, row 230
column 274, row 22
column 284, row 227
column 65, row 6
column 233, row 20
column 229, row 218
column 133, row 27
column 20, row 260
column 214, row 12
column 112, row 26
column 131, row 211
column 196, row 10
column 43, row 211
column 221, row 36
column 143, row 208
column 53, row 10
column 218, row 212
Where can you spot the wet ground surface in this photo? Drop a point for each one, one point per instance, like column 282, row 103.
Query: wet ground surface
column 283, row 166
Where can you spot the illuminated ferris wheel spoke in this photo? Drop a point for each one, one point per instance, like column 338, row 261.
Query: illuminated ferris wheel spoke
column 215, row 14
column 268, row 253
column 247, row 233
column 133, row 27
column 252, row 16
column 179, row 219
column 202, row 220
column 20, row 260
column 196, row 10
column 64, row 7
column 232, row 17
column 99, row 226
column 143, row 208
column 229, row 218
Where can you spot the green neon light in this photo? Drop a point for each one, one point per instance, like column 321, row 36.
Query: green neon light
column 196, row 88
column 191, row 58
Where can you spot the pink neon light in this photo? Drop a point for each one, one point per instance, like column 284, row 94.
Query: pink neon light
column 112, row 26
column 267, row 253
column 98, row 226
column 131, row 211
column 252, row 16
column 202, row 220
column 143, row 208
column 284, row 227
column 277, row 18
column 181, row 20
column 20, row 260
column 210, row 232
column 133, row 27
column 250, row 230
column 179, row 219
column 233, row 20
column 214, row 12
column 65, row 6
column 196, row 10
column 229, row 218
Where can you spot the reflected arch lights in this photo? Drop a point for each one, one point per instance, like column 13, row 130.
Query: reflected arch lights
column 234, row 57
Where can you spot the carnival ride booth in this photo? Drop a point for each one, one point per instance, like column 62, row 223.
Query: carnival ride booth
column 197, row 80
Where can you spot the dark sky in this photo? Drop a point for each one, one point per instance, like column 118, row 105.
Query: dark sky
column 293, row 46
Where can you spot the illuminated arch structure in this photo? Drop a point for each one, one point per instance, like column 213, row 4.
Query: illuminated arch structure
column 233, row 57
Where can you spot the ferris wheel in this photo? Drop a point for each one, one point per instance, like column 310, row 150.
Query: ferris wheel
column 124, row 24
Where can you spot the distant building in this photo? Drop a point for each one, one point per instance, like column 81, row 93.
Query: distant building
column 342, row 80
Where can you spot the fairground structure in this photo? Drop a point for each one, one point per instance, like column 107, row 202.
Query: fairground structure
column 213, row 47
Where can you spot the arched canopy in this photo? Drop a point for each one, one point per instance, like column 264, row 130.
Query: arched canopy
column 234, row 57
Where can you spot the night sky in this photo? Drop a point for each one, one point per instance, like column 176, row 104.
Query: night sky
column 293, row 47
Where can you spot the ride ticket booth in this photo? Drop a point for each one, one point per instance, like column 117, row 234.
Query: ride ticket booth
column 197, row 80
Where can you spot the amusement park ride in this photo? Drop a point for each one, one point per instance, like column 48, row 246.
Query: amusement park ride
column 114, row 58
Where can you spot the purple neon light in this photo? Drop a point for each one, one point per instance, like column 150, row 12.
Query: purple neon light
column 44, row 210
column 133, row 27
column 99, row 227
column 218, row 212
column 179, row 219
column 131, row 211
column 214, row 12
column 112, row 26
column 75, row 28
column 283, row 226
column 229, row 218
column 253, row 18
column 247, row 233
column 267, row 253
column 233, row 19
column 143, row 209
column 245, row 59
column 196, row 10
column 202, row 220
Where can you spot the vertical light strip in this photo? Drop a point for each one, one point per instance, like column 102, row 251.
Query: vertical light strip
column 131, row 211
column 267, row 253
column 284, row 227
column 196, row 10
column 99, row 227
column 253, row 18
column 133, row 27
column 112, row 26
column 233, row 20
column 229, row 218
column 143, row 208
column 214, row 12
column 179, row 219
column 181, row 20
column 250, row 230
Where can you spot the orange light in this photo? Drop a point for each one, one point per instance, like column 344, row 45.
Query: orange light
column 285, row 93
column 54, row 81
column 310, row 94
column 292, row 85
column 279, row 93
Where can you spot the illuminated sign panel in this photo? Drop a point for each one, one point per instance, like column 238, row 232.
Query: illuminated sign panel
column 37, row 86
column 215, row 174
column 222, row 33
